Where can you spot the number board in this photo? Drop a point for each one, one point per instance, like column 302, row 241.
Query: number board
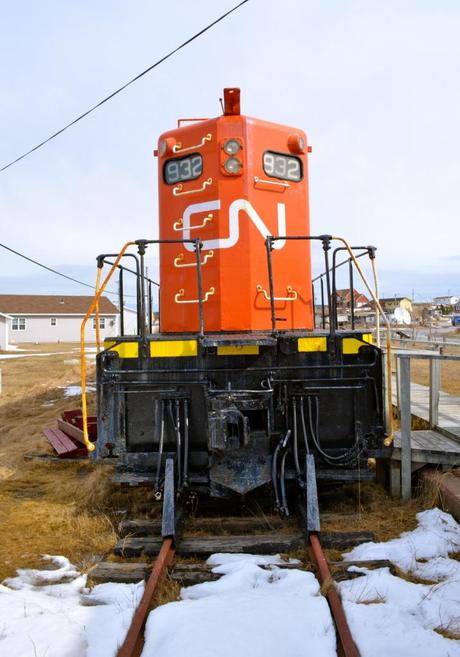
column 285, row 167
column 182, row 169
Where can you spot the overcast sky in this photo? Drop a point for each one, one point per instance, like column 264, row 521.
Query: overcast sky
column 374, row 84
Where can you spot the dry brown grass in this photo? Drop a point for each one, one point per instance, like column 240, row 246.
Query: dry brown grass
column 373, row 510
column 59, row 508
column 168, row 591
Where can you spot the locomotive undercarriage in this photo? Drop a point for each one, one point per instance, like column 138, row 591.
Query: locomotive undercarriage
column 236, row 412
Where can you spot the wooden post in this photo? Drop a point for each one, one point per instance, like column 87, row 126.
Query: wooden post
column 406, row 469
column 435, row 381
column 398, row 388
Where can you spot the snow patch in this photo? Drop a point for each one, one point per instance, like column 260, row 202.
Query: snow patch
column 437, row 535
column 51, row 613
column 250, row 610
column 389, row 615
column 73, row 391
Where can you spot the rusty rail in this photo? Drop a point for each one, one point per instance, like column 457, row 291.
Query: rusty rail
column 134, row 641
column 347, row 647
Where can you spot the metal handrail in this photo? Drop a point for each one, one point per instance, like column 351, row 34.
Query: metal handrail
column 89, row 445
column 389, row 439
column 141, row 244
column 326, row 239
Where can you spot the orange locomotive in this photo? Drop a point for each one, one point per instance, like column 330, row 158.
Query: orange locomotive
column 239, row 389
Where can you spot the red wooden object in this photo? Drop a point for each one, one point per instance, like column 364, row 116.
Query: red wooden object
column 62, row 444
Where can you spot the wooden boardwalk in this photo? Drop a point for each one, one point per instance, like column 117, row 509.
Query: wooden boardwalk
column 438, row 445
column 448, row 413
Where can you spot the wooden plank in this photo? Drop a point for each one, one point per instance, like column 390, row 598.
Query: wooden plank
column 205, row 546
column 188, row 574
column 71, row 430
column 429, row 447
column 61, row 443
column 109, row 571
column 345, row 540
column 250, row 544
column 236, row 525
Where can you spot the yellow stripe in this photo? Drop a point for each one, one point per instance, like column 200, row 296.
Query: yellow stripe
column 312, row 344
column 173, row 348
column 123, row 349
column 352, row 345
column 238, row 350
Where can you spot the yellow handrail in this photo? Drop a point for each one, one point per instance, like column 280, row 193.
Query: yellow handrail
column 98, row 332
column 376, row 288
column 89, row 445
column 389, row 439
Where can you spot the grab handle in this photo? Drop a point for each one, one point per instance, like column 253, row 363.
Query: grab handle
column 290, row 290
column 179, row 224
column 177, row 148
column 177, row 297
column 180, row 257
column 177, row 190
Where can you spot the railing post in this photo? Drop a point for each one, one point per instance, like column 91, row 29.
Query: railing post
column 406, row 460
column 200, row 286
column 386, row 383
column 435, row 381
column 398, row 387
column 269, row 247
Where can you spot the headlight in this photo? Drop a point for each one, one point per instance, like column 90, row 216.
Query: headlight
column 166, row 146
column 232, row 146
column 296, row 143
column 232, row 165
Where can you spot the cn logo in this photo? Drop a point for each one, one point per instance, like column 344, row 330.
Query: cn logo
column 240, row 205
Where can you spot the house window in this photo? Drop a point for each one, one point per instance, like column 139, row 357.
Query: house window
column 18, row 324
column 101, row 322
column 53, row 321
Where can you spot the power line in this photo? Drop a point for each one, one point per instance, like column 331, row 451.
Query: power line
column 127, row 84
column 53, row 271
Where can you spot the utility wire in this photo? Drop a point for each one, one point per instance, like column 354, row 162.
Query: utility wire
column 53, row 271
column 127, row 84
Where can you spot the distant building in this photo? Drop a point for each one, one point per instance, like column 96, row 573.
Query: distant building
column 55, row 318
column 4, row 326
column 446, row 301
column 344, row 298
column 389, row 304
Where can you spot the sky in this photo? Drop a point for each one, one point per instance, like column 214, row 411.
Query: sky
column 374, row 85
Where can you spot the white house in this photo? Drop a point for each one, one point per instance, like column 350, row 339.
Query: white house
column 4, row 326
column 446, row 301
column 54, row 318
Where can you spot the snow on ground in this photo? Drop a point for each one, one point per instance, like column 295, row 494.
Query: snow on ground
column 50, row 613
column 73, row 391
column 31, row 354
column 389, row 615
column 250, row 611
column 255, row 609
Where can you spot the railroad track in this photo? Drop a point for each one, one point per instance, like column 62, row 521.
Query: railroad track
column 264, row 535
